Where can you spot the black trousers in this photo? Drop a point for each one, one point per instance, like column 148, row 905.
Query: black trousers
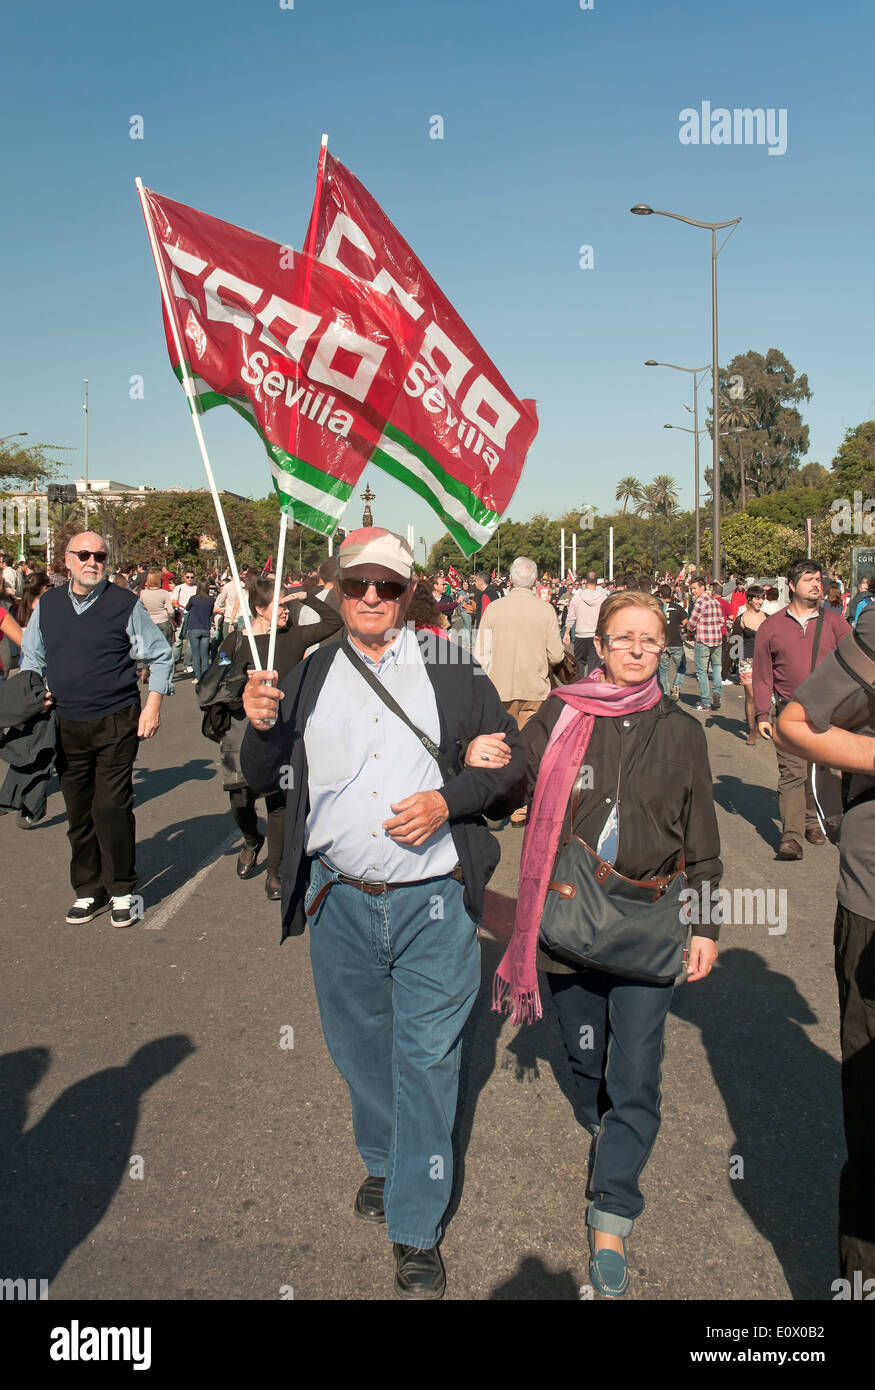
column 246, row 817
column 855, row 973
column 95, row 763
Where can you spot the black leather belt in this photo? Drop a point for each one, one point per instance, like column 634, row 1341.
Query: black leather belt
column 366, row 886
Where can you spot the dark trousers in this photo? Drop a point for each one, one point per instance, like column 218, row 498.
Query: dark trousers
column 585, row 652
column 614, row 1031
column 855, row 973
column 246, row 817
column 95, row 762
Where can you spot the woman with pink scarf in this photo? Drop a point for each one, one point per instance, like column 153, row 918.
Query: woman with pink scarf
column 645, row 805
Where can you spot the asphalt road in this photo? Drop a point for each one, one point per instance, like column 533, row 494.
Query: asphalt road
column 160, row 1143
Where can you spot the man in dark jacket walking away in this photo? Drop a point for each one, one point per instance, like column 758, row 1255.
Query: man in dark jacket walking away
column 387, row 856
column 86, row 639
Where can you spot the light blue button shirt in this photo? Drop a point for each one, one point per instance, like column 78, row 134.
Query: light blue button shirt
column 361, row 758
column 147, row 643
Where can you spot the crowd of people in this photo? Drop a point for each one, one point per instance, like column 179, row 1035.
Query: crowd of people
column 379, row 763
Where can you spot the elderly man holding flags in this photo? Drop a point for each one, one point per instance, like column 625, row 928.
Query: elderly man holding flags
column 387, row 857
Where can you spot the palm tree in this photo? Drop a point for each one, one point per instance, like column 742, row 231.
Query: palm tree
column 649, row 502
column 628, row 490
column 666, row 491
column 735, row 416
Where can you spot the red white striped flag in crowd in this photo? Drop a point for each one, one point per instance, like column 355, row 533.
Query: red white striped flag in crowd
column 458, row 435
column 312, row 358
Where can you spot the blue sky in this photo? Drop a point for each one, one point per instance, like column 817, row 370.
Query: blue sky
column 556, row 121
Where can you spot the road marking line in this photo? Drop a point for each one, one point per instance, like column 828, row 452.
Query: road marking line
column 181, row 896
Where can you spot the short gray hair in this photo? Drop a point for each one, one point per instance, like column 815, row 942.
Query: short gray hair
column 523, row 573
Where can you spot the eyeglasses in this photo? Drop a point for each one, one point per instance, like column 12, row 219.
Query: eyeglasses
column 83, row 555
column 622, row 641
column 390, row 589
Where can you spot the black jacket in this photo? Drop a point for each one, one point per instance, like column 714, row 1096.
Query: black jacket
column 666, row 793
column 28, row 737
column 468, row 705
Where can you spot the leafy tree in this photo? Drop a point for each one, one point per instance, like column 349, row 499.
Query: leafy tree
column 791, row 506
column 771, row 392
column 814, row 475
column 853, row 468
column 628, row 490
column 19, row 467
column 754, row 545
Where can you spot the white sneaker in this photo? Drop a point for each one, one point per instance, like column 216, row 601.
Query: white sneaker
column 86, row 909
column 189, row 670
column 126, row 910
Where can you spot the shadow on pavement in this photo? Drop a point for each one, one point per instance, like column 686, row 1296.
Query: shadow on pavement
column 169, row 857
column 533, row 1280
column 151, row 782
column 783, row 1100
column 58, row 1178
column 755, row 804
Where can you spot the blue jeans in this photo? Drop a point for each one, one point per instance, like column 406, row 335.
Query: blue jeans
column 702, row 654
column 200, row 641
column 669, row 655
column 396, row 976
column 618, row 1080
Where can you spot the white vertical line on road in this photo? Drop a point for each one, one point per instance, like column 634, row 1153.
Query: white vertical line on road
column 182, row 895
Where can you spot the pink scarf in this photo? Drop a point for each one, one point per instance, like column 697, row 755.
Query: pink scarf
column 515, row 987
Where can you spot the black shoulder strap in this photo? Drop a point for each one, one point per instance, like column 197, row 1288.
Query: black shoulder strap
column 817, row 633
column 446, row 768
column 851, row 655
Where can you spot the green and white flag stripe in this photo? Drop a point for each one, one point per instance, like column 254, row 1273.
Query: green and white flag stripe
column 312, row 497
column 469, row 522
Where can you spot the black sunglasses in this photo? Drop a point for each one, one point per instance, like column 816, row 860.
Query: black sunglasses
column 391, row 589
column 83, row 555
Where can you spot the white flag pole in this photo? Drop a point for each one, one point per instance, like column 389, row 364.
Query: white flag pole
column 284, row 519
column 611, row 562
column 189, row 388
column 562, row 558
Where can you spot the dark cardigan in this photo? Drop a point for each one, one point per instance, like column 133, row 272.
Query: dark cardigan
column 468, row 705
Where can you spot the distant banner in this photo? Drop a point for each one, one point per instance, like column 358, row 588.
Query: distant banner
column 458, row 435
column 313, row 359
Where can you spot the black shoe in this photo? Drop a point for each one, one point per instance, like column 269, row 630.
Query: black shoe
column 419, row 1273
column 789, row 849
column 247, row 859
column 273, row 887
column 85, row 909
column 125, row 910
column 369, row 1200
column 26, row 822
column 715, row 703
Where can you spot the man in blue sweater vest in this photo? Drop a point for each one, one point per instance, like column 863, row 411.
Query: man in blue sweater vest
column 387, row 857
column 86, row 638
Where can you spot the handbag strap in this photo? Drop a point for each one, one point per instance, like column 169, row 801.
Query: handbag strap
column 447, row 770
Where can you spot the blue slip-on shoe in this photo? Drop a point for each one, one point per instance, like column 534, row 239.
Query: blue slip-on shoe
column 608, row 1270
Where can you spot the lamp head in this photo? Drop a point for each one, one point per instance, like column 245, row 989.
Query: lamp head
column 650, row 363
column 642, row 210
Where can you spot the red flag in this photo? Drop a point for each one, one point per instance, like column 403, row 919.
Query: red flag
column 454, row 576
column 317, row 382
column 268, row 568
column 458, row 435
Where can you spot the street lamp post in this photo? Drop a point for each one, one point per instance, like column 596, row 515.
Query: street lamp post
column 642, row 210
column 695, row 371
column 724, row 434
column 17, row 435
column 85, row 408
column 424, row 552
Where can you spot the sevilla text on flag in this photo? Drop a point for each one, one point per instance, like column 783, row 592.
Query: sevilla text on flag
column 458, row 436
column 313, row 359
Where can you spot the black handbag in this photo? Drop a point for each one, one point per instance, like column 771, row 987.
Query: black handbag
column 597, row 918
